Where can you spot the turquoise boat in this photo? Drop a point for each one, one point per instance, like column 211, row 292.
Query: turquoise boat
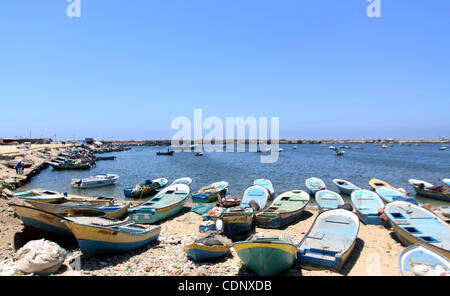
column 330, row 240
column 328, row 200
column 314, row 184
column 267, row 256
column 418, row 255
column 186, row 181
column 367, row 204
column 94, row 239
column 208, row 246
column 237, row 221
column 285, row 209
column 165, row 204
column 415, row 225
column 266, row 184
column 211, row 192
column 389, row 194
column 255, row 193
column 345, row 187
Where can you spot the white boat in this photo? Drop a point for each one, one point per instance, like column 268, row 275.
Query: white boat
column 443, row 148
column 332, row 148
column 384, row 146
column 295, row 147
column 446, row 181
column 280, row 150
column 99, row 180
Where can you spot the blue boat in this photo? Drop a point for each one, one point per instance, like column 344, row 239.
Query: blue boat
column 389, row 194
column 345, row 187
column 418, row 255
column 256, row 193
column 208, row 246
column 330, row 240
column 366, row 204
column 314, row 184
column 415, row 225
column 237, row 221
column 266, row 184
column 185, row 181
column 149, row 187
column 211, row 192
column 328, row 200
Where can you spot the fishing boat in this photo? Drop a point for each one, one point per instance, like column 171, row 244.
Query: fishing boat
column 50, row 196
column 413, row 224
column 443, row 148
column 384, row 146
column 418, row 259
column 105, row 158
column 280, row 150
column 211, row 192
column 286, row 208
column 295, row 147
column 236, row 221
column 314, row 184
column 328, row 200
column 40, row 221
column 208, row 246
column 165, row 204
column 198, row 153
column 230, row 201
column 446, row 181
column 105, row 209
column 185, row 181
column 429, row 190
column 445, row 210
column 340, row 153
column 266, row 184
column 389, row 194
column 148, row 188
column 374, row 183
column 330, row 240
column 257, row 194
column 96, row 239
column 267, row 256
column 344, row 186
column 332, row 148
column 165, row 153
column 70, row 166
column 98, row 180
column 367, row 204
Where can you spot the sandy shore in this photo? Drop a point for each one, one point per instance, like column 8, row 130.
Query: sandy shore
column 376, row 251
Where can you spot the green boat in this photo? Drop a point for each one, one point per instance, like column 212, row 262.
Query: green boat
column 267, row 255
column 165, row 204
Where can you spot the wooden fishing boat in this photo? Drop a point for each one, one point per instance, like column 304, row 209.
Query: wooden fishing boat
column 165, row 153
column 266, row 184
column 185, row 181
column 286, row 208
column 105, row 158
column 374, row 183
column 389, row 194
column 237, row 221
column 95, row 181
column 446, row 181
column 267, row 256
column 445, row 210
column 50, row 196
column 106, row 209
column 314, row 184
column 95, row 239
column 165, row 204
column 330, row 240
column 211, row 192
column 429, row 190
column 208, row 246
column 255, row 193
column 70, row 166
column 40, row 221
column 345, row 187
column 230, row 201
column 413, row 224
column 418, row 254
column 367, row 204
column 148, row 188
column 328, row 200
column 340, row 152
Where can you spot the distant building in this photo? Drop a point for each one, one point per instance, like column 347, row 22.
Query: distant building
column 90, row 140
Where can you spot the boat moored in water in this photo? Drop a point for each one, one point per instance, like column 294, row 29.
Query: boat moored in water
column 148, row 188
column 98, row 180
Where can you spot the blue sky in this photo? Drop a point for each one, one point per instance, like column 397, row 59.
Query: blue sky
column 126, row 69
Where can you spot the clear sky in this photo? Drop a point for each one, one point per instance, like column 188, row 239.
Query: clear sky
column 126, row 69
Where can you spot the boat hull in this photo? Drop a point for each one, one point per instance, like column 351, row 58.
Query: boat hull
column 266, row 259
column 148, row 217
column 433, row 195
column 202, row 253
column 279, row 220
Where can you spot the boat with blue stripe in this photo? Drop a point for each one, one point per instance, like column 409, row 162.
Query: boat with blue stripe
column 255, row 193
column 328, row 200
column 367, row 205
column 314, row 184
column 389, row 194
column 330, row 240
column 415, row 225
column 211, row 192
column 266, row 184
column 419, row 254
column 237, row 221
column 345, row 187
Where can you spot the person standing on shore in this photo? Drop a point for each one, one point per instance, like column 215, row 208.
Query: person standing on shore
column 19, row 167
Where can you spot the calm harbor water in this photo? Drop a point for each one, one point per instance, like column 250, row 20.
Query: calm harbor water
column 395, row 165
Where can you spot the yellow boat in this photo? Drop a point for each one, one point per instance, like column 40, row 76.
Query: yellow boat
column 374, row 183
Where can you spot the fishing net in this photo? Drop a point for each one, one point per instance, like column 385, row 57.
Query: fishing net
column 213, row 239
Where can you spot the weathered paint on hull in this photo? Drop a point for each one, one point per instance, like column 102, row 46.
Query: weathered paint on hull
column 43, row 221
column 432, row 195
column 408, row 239
column 370, row 219
column 202, row 253
column 208, row 199
column 90, row 247
column 266, row 259
column 279, row 221
column 148, row 218
column 52, row 228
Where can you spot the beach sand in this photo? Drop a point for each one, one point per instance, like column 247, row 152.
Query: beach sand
column 376, row 251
